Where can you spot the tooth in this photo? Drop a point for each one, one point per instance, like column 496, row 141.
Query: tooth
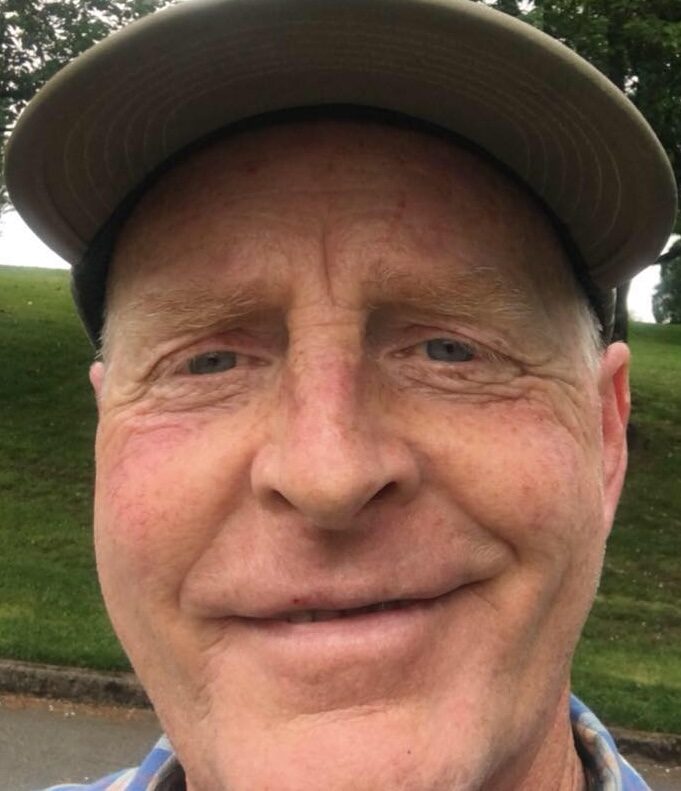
column 327, row 615
column 396, row 604
column 308, row 616
column 304, row 616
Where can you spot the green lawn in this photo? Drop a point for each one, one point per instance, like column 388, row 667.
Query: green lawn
column 629, row 663
column 50, row 607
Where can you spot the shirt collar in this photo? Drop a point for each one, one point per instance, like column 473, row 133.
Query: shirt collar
column 606, row 769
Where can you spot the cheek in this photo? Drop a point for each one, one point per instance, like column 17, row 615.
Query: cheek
column 162, row 487
column 519, row 472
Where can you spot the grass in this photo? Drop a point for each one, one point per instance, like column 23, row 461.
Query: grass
column 50, row 607
column 628, row 666
column 629, row 662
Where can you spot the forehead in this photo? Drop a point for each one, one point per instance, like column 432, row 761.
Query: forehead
column 382, row 206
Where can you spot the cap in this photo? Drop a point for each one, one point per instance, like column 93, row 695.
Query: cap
column 107, row 120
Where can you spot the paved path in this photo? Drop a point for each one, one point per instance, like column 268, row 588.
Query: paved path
column 43, row 742
column 660, row 778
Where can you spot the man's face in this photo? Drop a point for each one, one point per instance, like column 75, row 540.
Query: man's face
column 343, row 371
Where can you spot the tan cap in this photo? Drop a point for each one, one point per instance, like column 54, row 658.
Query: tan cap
column 110, row 117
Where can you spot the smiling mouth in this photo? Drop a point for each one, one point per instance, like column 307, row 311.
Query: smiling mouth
column 313, row 616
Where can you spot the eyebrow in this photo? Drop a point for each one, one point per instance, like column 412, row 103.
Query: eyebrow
column 468, row 296
column 191, row 307
column 157, row 315
column 160, row 314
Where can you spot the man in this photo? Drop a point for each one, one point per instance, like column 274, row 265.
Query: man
column 361, row 433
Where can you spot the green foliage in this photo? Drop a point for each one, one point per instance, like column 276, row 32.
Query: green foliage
column 512, row 7
column 38, row 37
column 667, row 295
column 50, row 610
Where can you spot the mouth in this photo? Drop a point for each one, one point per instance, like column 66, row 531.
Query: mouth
column 313, row 616
column 322, row 638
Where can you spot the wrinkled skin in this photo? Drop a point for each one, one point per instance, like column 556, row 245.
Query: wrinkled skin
column 282, row 429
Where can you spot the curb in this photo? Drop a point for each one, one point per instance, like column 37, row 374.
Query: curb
column 663, row 748
column 72, row 683
column 123, row 689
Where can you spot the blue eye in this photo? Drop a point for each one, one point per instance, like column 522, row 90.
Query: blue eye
column 212, row 362
column 447, row 350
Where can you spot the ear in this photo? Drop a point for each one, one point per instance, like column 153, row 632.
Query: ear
column 97, row 380
column 615, row 407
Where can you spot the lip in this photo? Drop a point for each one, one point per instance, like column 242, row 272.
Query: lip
column 277, row 609
column 351, row 617
column 369, row 639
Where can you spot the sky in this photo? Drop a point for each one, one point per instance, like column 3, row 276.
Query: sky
column 19, row 246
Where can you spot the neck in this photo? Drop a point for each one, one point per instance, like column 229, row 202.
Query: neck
column 556, row 765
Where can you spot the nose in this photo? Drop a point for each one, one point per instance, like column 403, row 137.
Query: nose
column 331, row 453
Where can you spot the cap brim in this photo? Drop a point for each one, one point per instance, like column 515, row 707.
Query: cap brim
column 113, row 115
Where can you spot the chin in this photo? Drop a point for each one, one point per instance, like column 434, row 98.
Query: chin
column 338, row 763
column 400, row 747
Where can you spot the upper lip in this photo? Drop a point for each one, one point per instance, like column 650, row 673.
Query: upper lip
column 285, row 606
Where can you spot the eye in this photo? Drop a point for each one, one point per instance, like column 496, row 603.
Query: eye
column 447, row 350
column 212, row 362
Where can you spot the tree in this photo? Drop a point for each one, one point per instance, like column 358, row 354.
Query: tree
column 511, row 7
column 38, row 37
column 637, row 44
column 667, row 294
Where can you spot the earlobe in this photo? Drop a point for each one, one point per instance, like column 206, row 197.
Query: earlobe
column 615, row 407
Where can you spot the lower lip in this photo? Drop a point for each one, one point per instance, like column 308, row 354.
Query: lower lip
column 383, row 633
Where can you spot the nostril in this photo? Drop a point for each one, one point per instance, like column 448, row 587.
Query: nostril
column 385, row 491
column 278, row 500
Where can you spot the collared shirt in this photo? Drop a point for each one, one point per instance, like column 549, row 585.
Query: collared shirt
column 606, row 769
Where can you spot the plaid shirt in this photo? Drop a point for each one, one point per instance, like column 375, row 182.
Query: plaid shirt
column 606, row 769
